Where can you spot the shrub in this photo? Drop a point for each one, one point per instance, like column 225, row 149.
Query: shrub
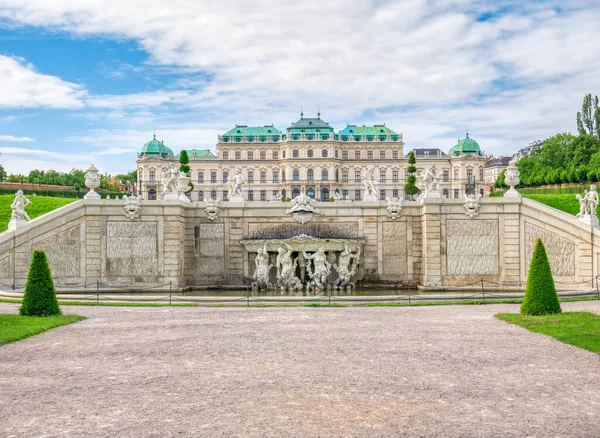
column 40, row 296
column 540, row 294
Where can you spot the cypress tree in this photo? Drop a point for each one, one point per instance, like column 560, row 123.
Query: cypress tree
column 410, row 188
column 540, row 294
column 40, row 296
column 184, row 167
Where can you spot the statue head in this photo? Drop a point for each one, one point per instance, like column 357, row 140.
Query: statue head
column 19, row 192
column 593, row 188
column 321, row 250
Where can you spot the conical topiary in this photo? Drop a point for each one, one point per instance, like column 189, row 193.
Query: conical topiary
column 540, row 294
column 40, row 296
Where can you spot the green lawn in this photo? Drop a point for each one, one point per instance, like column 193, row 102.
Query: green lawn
column 16, row 327
column 581, row 329
column 565, row 202
column 40, row 205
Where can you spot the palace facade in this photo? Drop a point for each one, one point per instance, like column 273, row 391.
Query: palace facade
column 309, row 155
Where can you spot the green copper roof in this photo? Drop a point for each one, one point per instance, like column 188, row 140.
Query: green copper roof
column 310, row 126
column 196, row 154
column 155, row 148
column 466, row 146
column 243, row 130
column 366, row 130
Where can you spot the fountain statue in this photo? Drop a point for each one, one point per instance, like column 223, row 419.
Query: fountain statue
column 322, row 269
column 286, row 268
column 262, row 269
column 343, row 268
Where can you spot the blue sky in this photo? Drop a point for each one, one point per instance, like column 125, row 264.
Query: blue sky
column 88, row 82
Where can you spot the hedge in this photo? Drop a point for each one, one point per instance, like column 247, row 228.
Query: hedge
column 540, row 293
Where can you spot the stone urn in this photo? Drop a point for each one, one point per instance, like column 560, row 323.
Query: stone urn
column 511, row 178
column 183, row 186
column 92, row 182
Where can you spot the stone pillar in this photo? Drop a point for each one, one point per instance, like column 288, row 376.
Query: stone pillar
column 431, row 238
column 510, row 237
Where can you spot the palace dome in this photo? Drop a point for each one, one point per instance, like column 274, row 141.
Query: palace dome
column 466, row 146
column 155, row 148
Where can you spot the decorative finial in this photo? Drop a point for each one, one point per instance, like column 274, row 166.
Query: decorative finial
column 319, row 111
column 467, row 132
column 154, row 132
column 301, row 112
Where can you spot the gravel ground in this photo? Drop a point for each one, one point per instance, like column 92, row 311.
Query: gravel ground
column 452, row 371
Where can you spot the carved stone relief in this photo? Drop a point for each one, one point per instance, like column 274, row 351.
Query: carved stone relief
column 342, row 230
column 5, row 268
column 63, row 252
column 131, row 249
column 212, row 251
column 472, row 247
column 561, row 251
column 394, row 248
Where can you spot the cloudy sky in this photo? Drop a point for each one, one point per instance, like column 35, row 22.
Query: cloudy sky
column 88, row 81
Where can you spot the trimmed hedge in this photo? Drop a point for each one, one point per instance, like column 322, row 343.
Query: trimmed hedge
column 540, row 294
column 58, row 193
column 40, row 296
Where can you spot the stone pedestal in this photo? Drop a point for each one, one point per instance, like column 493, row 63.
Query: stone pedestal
column 237, row 201
column 512, row 193
column 589, row 220
column 91, row 195
column 371, row 197
column 434, row 194
column 13, row 224
column 171, row 196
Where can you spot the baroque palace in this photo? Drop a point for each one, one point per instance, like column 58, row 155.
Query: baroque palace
column 311, row 156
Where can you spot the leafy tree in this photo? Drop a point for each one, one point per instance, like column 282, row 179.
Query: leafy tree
column 500, row 184
column 540, row 293
column 2, row 173
column 40, row 297
column 588, row 120
column 410, row 188
column 184, row 167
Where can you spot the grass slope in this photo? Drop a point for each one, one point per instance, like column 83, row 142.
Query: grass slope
column 40, row 205
column 564, row 202
column 17, row 327
column 581, row 329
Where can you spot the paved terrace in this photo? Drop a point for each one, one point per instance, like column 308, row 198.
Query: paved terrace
column 427, row 371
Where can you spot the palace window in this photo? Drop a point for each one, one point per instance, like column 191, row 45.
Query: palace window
column 382, row 175
column 152, row 195
column 446, row 176
column 225, row 176
column 201, row 196
column 263, row 155
column 295, row 153
column 263, row 195
column 152, row 176
column 238, row 155
column 344, row 194
column 263, row 176
column 200, row 177
column 275, row 155
column 224, row 194
column 395, row 155
column 344, row 155
column 456, row 170
column 456, row 193
column 357, row 176
column 213, row 195
column 283, row 154
column 395, row 193
column 357, row 155
column 382, row 195
column 250, row 155
column 445, row 192
column 344, row 176
column 310, row 175
column 309, row 153
column 382, row 155
column 250, row 195
column 369, row 155
column 336, row 153
column 250, row 176
column 325, row 195
column 394, row 176
column 357, row 195
column 275, row 193
column 275, row 176
column 481, row 174
column 324, row 175
column 324, row 154
column 213, row 177
column 226, row 155
column 296, row 175
column 469, row 174
column 295, row 193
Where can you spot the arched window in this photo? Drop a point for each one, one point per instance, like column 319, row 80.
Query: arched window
column 295, row 192
column 324, row 153
column 295, row 153
column 152, row 195
column 311, row 192
column 325, row 195
column 283, row 193
column 213, row 194
column 309, row 153
column 324, row 175
column 446, row 195
column 296, row 175
column 310, row 175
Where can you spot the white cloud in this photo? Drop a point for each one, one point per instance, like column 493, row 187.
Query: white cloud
column 22, row 87
column 21, row 160
column 13, row 139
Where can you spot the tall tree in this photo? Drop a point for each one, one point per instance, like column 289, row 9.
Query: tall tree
column 410, row 188
column 588, row 119
column 184, row 167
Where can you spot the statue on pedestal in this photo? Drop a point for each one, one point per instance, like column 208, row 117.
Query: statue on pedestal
column 235, row 185
column 370, row 183
column 169, row 181
column 588, row 203
column 18, row 207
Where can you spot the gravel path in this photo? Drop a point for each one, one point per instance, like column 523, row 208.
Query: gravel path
column 452, row 371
